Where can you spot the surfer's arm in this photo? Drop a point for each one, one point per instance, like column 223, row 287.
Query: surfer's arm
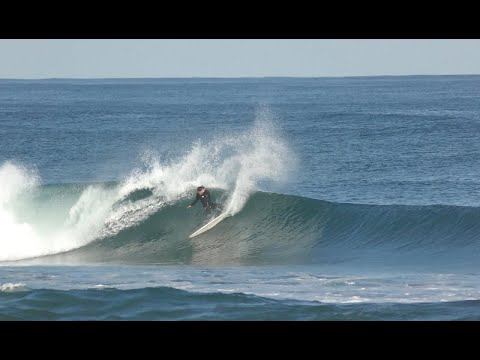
column 195, row 201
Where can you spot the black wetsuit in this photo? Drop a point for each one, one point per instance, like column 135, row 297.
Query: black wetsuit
column 206, row 200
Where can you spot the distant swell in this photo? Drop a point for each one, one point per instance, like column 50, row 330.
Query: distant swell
column 165, row 303
column 284, row 229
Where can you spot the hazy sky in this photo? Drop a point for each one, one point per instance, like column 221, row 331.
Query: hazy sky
column 36, row 59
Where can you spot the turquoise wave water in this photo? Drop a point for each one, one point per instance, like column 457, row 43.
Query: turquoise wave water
column 274, row 229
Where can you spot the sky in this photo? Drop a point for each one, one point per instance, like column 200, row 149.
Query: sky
column 173, row 58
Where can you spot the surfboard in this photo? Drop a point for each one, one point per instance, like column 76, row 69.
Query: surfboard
column 209, row 225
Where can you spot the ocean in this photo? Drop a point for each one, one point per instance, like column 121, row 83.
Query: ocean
column 353, row 198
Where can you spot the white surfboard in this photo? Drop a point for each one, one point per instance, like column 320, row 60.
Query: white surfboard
column 209, row 225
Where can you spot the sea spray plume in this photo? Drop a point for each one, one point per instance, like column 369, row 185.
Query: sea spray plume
column 14, row 180
column 262, row 154
column 234, row 164
column 17, row 238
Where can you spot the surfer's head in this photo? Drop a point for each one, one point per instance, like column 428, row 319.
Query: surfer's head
column 201, row 189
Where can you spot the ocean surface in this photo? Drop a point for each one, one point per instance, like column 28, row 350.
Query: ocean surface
column 352, row 199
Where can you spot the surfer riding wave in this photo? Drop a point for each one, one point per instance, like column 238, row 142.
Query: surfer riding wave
column 206, row 199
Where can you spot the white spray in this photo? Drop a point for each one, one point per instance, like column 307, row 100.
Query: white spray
column 234, row 163
column 17, row 239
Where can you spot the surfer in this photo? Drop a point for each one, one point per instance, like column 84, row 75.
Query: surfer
column 204, row 196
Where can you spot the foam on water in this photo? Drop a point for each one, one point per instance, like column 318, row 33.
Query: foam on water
column 235, row 164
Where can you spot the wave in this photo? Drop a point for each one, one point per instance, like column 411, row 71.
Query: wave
column 166, row 303
column 39, row 220
column 143, row 219
column 279, row 229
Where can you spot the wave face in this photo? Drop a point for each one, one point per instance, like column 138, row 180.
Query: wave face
column 273, row 229
column 283, row 229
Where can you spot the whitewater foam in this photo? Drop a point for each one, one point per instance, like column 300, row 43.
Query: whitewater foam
column 12, row 287
column 18, row 239
column 234, row 164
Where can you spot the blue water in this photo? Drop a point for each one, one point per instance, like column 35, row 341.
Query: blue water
column 352, row 199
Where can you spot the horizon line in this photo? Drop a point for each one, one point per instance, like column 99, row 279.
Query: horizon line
column 232, row 77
